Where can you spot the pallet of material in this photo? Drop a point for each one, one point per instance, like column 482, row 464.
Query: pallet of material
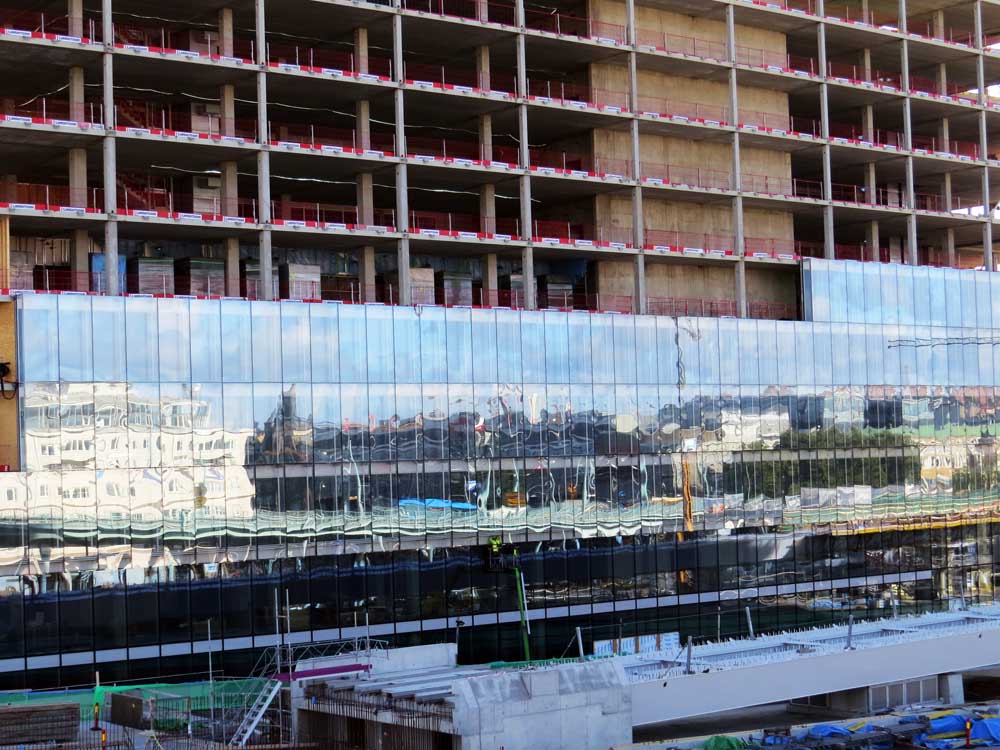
column 40, row 723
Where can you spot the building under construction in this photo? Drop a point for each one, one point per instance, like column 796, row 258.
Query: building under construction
column 650, row 334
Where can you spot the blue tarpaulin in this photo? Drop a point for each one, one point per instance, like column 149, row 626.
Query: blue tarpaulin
column 827, row 730
column 947, row 724
column 986, row 729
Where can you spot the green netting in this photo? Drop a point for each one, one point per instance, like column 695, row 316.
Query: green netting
column 221, row 694
column 724, row 742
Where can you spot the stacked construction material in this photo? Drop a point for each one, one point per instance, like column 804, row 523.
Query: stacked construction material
column 201, row 276
column 150, row 275
column 40, row 723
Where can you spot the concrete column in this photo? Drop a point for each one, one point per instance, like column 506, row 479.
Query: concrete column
column 265, row 259
column 944, row 134
column 79, row 260
column 77, row 95
column 951, row 689
column 230, row 189
column 868, row 122
column 488, row 208
column 483, row 67
column 491, row 280
column 865, row 61
column 231, row 246
column 226, row 32
column 361, row 49
column 873, row 240
column 871, row 183
column 404, row 293
column 366, row 274
column 74, row 13
column 738, row 230
column 639, row 304
column 227, row 110
column 362, row 109
column 109, row 153
column 528, row 274
column 366, row 198
column 949, row 247
column 527, row 255
column 78, row 176
column 939, row 27
column 486, row 136
column 947, row 191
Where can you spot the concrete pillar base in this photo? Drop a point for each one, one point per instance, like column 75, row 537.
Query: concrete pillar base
column 232, row 250
column 366, row 275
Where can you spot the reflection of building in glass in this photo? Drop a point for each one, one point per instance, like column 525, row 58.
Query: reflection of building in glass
column 809, row 484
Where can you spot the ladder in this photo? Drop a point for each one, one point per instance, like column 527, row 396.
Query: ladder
column 252, row 717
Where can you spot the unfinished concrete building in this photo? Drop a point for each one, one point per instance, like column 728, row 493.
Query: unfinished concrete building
column 670, row 157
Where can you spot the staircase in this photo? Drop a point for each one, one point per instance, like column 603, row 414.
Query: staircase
column 255, row 713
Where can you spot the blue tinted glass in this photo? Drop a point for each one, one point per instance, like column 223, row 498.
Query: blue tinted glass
column 237, row 350
column 602, row 344
column 904, row 285
column 645, row 343
column 876, row 355
column 857, row 354
column 325, row 346
column 805, row 356
column 508, row 346
column 749, row 362
column 206, row 341
column 76, row 352
column 484, row 338
column 953, row 296
column 296, row 354
column 822, row 354
column 266, row 321
column 141, row 337
column 921, row 295
column 353, row 355
column 533, row 346
column 109, row 338
column 890, row 292
column 855, row 292
column 841, row 362
column 729, row 352
column 984, row 303
column 433, row 345
column 873, row 293
column 175, row 340
column 557, row 362
column 968, row 298
column 767, row 357
column 406, row 342
column 890, row 344
column 39, row 337
column 938, row 311
column 838, row 292
column 666, row 349
column 785, row 332
column 381, row 351
column 460, row 345
column 624, row 351
column 820, row 289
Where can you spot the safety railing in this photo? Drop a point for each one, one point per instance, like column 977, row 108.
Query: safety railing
column 328, row 213
column 781, row 249
column 564, row 24
column 451, row 222
column 690, row 241
column 859, row 252
column 57, row 24
column 51, row 279
column 581, row 164
column 926, row 29
column 691, row 307
column 133, row 200
column 678, row 44
column 442, row 148
column 663, row 107
column 479, row 10
column 319, row 57
column 855, row 12
column 772, row 310
column 44, row 197
column 685, row 176
column 804, row 6
column 855, row 133
column 584, row 301
column 937, row 203
column 557, row 231
column 572, row 93
column 778, row 122
column 443, row 75
column 860, row 194
column 201, row 42
column 785, row 186
column 45, row 108
column 954, row 147
column 323, row 135
column 754, row 57
column 154, row 116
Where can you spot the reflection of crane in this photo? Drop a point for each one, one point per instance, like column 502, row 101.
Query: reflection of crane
column 686, row 494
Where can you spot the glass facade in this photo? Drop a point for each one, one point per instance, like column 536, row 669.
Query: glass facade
column 183, row 459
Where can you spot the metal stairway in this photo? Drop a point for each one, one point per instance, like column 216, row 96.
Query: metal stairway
column 256, row 712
